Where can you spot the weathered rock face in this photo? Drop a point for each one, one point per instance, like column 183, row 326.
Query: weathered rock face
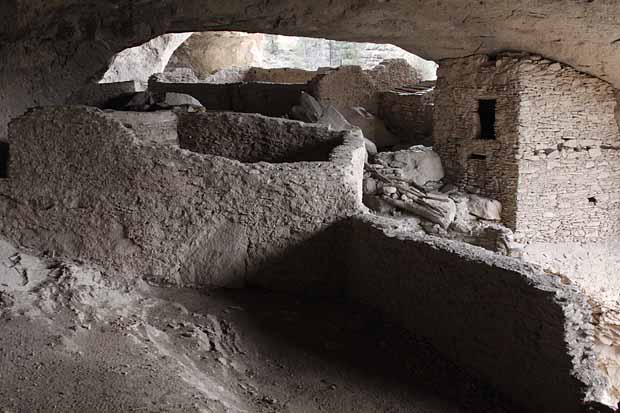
column 206, row 53
column 140, row 62
column 419, row 165
column 374, row 129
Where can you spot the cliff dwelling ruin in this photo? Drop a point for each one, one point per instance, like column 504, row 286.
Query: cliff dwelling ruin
column 303, row 207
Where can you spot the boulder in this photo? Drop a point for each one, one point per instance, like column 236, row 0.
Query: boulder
column 309, row 109
column 334, row 119
column 179, row 99
column 484, row 208
column 371, row 148
column 418, row 164
column 374, row 129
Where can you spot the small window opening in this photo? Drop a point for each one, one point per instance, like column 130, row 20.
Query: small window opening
column 486, row 111
column 4, row 160
column 592, row 200
column 477, row 156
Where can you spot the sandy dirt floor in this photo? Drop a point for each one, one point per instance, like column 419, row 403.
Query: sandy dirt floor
column 74, row 339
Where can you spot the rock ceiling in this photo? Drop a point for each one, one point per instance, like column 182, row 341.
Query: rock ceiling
column 582, row 33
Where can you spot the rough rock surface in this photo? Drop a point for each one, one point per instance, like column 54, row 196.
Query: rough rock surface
column 311, row 111
column 374, row 129
column 180, row 99
column 484, row 208
column 207, row 52
column 418, row 164
column 140, row 62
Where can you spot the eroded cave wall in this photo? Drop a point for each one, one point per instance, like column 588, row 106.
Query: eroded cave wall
column 82, row 185
column 140, row 62
column 522, row 330
column 569, row 155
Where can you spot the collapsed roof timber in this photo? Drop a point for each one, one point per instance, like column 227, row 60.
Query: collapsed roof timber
column 475, row 211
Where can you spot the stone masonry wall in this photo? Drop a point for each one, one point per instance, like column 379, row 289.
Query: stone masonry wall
column 255, row 138
column 268, row 99
column 351, row 86
column 569, row 155
column 279, row 75
column 409, row 116
column 82, row 185
column 555, row 163
column 487, row 167
column 526, row 332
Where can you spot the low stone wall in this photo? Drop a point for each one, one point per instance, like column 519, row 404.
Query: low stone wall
column 256, row 138
column 408, row 115
column 82, row 185
column 107, row 95
column 268, row 99
column 350, row 86
column 279, row 75
column 159, row 126
column 524, row 331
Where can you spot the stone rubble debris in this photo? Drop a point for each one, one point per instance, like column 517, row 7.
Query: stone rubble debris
column 311, row 110
column 409, row 183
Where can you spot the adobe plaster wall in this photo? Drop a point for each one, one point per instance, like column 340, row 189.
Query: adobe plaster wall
column 82, row 185
column 256, row 138
column 531, row 334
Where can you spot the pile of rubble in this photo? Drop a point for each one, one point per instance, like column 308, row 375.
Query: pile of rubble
column 408, row 184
